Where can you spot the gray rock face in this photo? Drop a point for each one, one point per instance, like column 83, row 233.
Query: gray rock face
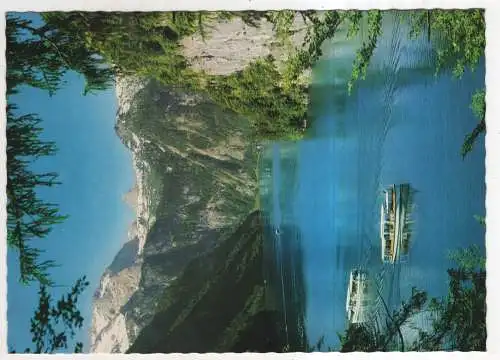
column 232, row 45
column 117, row 285
column 194, row 166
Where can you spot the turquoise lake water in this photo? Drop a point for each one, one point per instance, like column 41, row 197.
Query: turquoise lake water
column 321, row 196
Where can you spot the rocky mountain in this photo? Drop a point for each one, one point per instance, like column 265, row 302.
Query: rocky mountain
column 194, row 313
column 195, row 184
column 193, row 167
column 233, row 44
column 230, row 299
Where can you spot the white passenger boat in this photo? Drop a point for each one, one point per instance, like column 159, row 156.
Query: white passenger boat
column 395, row 223
column 358, row 302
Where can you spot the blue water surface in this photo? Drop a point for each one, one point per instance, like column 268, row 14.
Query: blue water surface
column 401, row 124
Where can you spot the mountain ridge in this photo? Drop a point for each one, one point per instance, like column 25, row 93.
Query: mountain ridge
column 195, row 183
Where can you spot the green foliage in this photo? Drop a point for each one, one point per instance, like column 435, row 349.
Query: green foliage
column 480, row 219
column 276, row 102
column 103, row 45
column 353, row 19
column 40, row 57
column 461, row 325
column 459, row 322
column 257, row 93
column 132, row 42
column 282, row 21
column 321, row 28
column 54, row 325
column 28, row 217
column 374, row 336
column 365, row 53
column 461, row 40
column 138, row 43
column 147, row 45
column 469, row 259
column 478, row 107
column 460, row 36
column 29, row 61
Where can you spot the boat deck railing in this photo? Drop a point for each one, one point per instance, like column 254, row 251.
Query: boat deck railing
column 398, row 205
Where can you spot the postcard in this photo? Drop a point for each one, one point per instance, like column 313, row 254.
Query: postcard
column 246, row 181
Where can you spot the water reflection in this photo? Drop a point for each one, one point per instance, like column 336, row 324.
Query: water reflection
column 402, row 125
column 285, row 286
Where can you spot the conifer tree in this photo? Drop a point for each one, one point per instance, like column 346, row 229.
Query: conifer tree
column 28, row 217
column 41, row 56
column 37, row 57
column 459, row 323
column 54, row 325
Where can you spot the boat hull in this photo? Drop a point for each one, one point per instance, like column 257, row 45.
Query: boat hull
column 395, row 223
column 357, row 301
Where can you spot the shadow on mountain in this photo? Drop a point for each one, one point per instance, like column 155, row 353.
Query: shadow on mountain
column 197, row 169
column 228, row 300
column 285, row 285
column 125, row 257
column 211, row 305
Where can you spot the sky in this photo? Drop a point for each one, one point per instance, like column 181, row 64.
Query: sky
column 95, row 169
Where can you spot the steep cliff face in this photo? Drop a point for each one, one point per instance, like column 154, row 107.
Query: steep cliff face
column 231, row 45
column 196, row 314
column 194, row 166
column 221, row 302
column 117, row 285
column 139, row 197
column 195, row 169
column 120, row 281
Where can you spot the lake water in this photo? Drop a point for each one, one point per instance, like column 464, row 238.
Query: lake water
column 401, row 124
